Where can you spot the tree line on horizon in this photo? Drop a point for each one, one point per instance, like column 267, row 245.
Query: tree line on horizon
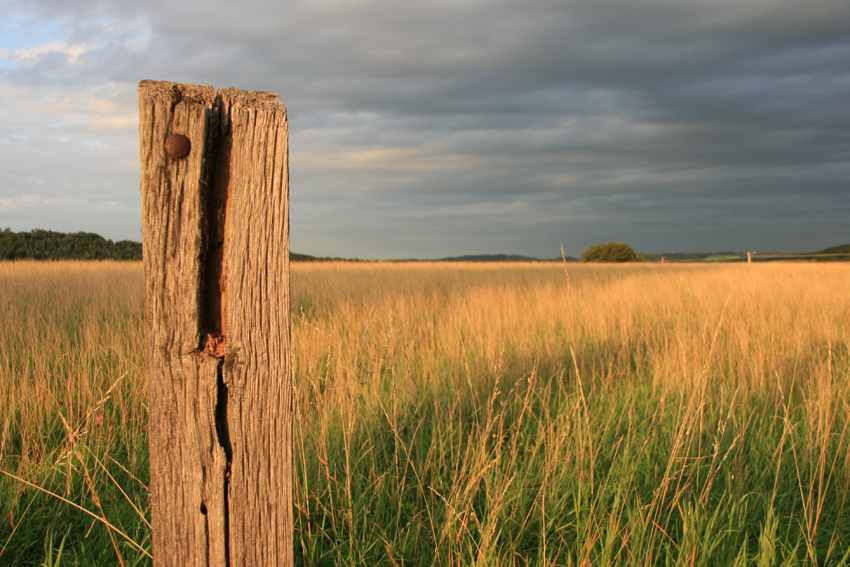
column 48, row 245
column 41, row 244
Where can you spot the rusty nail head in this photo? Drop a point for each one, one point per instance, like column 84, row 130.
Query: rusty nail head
column 177, row 145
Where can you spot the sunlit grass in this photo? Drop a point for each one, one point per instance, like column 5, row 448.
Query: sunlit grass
column 498, row 415
column 74, row 415
column 469, row 414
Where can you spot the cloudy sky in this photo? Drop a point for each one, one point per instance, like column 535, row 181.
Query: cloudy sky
column 446, row 127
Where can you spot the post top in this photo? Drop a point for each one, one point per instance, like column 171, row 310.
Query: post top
column 206, row 94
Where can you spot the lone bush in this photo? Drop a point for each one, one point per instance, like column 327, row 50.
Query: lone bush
column 611, row 252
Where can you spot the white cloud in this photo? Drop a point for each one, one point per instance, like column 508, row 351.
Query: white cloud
column 31, row 55
column 33, row 200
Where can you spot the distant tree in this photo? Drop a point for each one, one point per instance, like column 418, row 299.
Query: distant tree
column 611, row 252
column 127, row 250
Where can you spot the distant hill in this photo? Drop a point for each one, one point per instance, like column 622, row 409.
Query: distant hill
column 695, row 256
column 843, row 249
column 495, row 258
column 832, row 254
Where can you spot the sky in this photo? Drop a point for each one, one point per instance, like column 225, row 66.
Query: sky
column 427, row 129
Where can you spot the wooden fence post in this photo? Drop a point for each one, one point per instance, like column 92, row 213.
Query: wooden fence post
column 215, row 209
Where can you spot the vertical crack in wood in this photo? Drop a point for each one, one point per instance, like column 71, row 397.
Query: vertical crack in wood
column 217, row 192
column 223, row 433
column 213, row 318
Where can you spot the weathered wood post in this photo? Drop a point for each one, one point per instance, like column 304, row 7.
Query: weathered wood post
column 215, row 209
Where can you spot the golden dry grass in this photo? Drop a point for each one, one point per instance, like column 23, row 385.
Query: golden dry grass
column 68, row 331
column 471, row 413
column 671, row 324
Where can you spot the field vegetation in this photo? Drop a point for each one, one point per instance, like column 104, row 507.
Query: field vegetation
column 467, row 414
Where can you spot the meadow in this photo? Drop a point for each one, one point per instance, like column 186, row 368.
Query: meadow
column 467, row 414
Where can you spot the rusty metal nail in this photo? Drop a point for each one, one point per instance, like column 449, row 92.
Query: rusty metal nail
column 177, row 145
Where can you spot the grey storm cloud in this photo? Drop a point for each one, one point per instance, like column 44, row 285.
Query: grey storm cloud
column 427, row 129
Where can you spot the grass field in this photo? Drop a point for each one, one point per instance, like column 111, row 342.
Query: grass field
column 467, row 414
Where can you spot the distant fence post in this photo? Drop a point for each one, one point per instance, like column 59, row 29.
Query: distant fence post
column 215, row 223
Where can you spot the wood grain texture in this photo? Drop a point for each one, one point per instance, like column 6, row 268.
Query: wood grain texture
column 257, row 361
column 216, row 256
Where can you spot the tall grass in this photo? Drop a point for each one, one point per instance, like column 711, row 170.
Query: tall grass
column 506, row 415
column 470, row 414
column 73, row 413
